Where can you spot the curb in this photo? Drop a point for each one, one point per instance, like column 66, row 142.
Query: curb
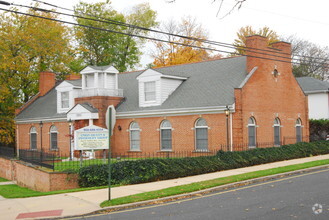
column 201, row 192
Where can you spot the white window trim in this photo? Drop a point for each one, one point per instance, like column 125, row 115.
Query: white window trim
column 150, row 102
column 130, row 139
column 167, row 128
column 252, row 125
column 195, row 138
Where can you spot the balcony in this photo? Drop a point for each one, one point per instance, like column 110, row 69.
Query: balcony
column 99, row 92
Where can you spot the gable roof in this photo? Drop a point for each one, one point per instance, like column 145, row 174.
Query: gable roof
column 44, row 107
column 312, row 85
column 208, row 84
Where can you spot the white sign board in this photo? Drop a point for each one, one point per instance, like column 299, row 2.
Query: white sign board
column 91, row 138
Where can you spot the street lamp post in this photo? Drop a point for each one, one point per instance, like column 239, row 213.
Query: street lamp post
column 70, row 135
column 227, row 113
column 41, row 125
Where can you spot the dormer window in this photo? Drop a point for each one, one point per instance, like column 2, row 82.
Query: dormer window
column 155, row 87
column 65, row 99
column 66, row 92
column 149, row 91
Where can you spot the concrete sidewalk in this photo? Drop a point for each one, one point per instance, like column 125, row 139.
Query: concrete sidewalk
column 78, row 203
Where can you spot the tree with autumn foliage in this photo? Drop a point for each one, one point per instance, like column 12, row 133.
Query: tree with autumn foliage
column 28, row 45
column 179, row 50
column 240, row 41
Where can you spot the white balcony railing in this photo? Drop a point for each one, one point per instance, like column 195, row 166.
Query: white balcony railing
column 99, row 92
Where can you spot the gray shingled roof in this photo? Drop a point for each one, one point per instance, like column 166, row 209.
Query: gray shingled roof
column 209, row 84
column 89, row 107
column 77, row 82
column 43, row 107
column 311, row 85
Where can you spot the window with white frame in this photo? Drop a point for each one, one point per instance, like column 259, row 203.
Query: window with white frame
column 33, row 138
column 53, row 137
column 299, row 136
column 201, row 135
column 165, row 135
column 251, row 132
column 277, row 135
column 65, row 100
column 134, row 136
column 149, row 91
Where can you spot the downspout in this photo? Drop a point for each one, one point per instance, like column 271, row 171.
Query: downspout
column 17, row 142
column 231, row 132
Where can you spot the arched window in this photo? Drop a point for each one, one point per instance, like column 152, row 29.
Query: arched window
column 33, row 138
column 134, row 136
column 277, row 135
column 53, row 138
column 299, row 137
column 252, row 132
column 165, row 135
column 201, row 135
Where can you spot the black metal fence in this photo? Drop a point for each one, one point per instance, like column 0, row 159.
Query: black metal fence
column 59, row 161
column 8, row 152
column 40, row 158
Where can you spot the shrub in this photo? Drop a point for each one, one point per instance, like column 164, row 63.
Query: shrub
column 147, row 170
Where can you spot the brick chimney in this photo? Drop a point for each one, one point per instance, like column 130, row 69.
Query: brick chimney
column 255, row 44
column 260, row 54
column 47, row 81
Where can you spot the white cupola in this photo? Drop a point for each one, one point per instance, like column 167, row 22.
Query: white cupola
column 99, row 77
column 100, row 81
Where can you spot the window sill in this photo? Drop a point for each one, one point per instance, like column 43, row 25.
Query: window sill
column 201, row 151
column 134, row 151
column 165, row 151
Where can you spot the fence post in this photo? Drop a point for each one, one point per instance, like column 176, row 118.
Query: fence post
column 81, row 152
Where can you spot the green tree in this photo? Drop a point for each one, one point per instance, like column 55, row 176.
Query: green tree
column 184, row 50
column 240, row 41
column 28, row 45
column 309, row 59
column 104, row 48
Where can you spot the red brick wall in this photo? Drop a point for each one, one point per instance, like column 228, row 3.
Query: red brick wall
column 33, row 178
column 6, row 169
column 23, row 137
column 266, row 97
column 183, row 133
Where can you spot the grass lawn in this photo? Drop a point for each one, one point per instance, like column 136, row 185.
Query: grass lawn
column 208, row 184
column 14, row 191
column 75, row 164
column 3, row 180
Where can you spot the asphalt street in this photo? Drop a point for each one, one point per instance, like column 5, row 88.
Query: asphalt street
column 303, row 196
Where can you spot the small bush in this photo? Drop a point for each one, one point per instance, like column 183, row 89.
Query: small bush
column 140, row 171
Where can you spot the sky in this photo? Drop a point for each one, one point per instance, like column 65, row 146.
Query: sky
column 308, row 20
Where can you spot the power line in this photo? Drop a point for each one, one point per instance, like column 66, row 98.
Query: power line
column 231, row 46
column 217, row 43
column 134, row 35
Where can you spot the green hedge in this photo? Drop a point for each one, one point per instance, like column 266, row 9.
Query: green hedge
column 319, row 129
column 139, row 171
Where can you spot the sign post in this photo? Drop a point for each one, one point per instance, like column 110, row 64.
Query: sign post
column 109, row 160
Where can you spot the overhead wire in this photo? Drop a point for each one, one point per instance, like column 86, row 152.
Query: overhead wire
column 127, row 34
column 217, row 43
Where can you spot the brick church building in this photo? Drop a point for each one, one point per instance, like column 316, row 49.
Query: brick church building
column 191, row 107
